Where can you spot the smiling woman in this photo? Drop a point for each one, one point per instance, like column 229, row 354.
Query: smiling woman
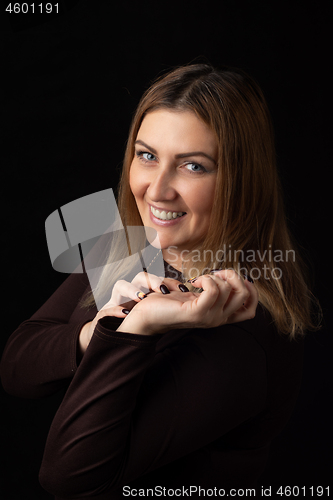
column 167, row 179
column 187, row 384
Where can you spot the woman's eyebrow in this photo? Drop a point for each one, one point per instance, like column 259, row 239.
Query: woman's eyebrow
column 146, row 146
column 181, row 155
column 195, row 153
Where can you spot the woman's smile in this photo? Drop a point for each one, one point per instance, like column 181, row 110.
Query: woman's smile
column 162, row 214
column 165, row 216
column 173, row 177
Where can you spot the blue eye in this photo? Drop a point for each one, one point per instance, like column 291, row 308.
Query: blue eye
column 196, row 167
column 146, row 156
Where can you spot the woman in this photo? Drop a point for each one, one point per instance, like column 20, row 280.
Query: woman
column 182, row 388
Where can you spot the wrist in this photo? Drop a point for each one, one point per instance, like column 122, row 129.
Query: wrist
column 133, row 325
column 84, row 337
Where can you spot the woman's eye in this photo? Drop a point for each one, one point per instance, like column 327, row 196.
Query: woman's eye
column 195, row 167
column 146, row 156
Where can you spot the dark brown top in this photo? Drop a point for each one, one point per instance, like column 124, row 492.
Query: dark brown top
column 187, row 408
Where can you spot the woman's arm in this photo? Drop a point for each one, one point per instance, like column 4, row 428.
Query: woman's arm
column 130, row 410
column 40, row 357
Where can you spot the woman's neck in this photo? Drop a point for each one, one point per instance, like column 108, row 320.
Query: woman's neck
column 172, row 259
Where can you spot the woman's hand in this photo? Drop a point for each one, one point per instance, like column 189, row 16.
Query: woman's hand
column 124, row 297
column 226, row 298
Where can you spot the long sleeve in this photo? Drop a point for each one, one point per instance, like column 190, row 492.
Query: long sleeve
column 40, row 357
column 182, row 405
column 132, row 408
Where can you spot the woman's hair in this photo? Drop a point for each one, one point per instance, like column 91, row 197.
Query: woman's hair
column 248, row 229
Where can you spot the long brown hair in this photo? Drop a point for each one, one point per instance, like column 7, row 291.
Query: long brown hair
column 249, row 221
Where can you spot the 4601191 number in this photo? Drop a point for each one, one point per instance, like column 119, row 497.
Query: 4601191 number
column 303, row 491
column 32, row 8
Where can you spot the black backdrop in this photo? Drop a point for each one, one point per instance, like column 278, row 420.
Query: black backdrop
column 70, row 85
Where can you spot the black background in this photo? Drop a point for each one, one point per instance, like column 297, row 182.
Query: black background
column 70, row 85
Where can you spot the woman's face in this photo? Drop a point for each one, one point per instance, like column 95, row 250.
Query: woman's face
column 173, row 177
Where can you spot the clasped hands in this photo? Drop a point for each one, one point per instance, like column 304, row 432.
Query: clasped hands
column 225, row 298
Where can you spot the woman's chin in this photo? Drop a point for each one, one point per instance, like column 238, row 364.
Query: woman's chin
column 153, row 237
column 157, row 240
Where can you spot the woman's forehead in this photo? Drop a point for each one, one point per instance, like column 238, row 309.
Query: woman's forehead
column 181, row 131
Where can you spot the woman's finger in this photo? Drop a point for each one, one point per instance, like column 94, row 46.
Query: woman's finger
column 115, row 311
column 248, row 310
column 123, row 291
column 213, row 293
column 147, row 281
column 175, row 285
column 239, row 293
column 234, row 295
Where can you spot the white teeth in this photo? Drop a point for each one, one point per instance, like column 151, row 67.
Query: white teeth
column 165, row 215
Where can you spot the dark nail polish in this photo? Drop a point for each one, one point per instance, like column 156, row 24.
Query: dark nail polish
column 125, row 311
column 164, row 289
column 183, row 288
column 248, row 278
column 141, row 295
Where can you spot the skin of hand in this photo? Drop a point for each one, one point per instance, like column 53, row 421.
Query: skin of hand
column 226, row 298
column 124, row 297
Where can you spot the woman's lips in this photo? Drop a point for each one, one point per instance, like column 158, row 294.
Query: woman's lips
column 167, row 221
column 164, row 214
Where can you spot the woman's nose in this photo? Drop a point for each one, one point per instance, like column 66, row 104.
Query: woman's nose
column 162, row 186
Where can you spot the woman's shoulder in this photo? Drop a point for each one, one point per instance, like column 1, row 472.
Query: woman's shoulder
column 260, row 331
column 255, row 344
column 251, row 358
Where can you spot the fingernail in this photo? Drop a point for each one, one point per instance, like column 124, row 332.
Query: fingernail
column 141, row 295
column 248, row 278
column 192, row 280
column 164, row 289
column 125, row 311
column 183, row 288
